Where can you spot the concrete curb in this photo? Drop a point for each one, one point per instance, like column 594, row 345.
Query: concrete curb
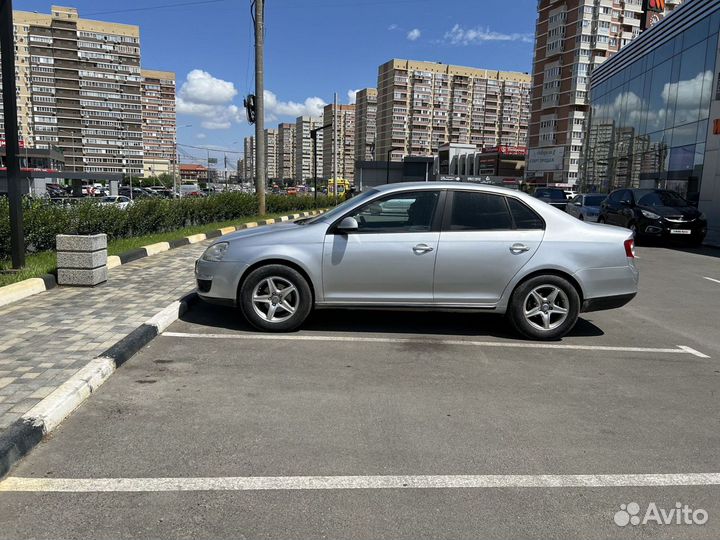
column 27, row 432
column 28, row 287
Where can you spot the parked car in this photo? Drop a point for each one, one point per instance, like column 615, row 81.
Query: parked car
column 654, row 213
column 439, row 246
column 119, row 200
column 553, row 196
column 586, row 207
column 570, row 194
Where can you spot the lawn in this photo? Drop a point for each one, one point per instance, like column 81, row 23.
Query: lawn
column 37, row 264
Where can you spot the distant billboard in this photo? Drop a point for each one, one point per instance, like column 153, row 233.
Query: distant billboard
column 546, row 159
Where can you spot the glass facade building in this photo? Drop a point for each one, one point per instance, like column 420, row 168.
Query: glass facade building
column 655, row 110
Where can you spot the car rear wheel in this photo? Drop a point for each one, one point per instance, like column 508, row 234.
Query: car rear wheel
column 544, row 307
column 601, row 220
column 275, row 298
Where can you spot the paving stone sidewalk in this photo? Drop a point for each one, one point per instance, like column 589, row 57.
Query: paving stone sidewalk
column 46, row 338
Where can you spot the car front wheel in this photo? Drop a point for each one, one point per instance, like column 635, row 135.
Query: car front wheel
column 275, row 298
column 544, row 307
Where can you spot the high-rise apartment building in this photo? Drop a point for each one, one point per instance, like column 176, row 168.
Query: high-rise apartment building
column 79, row 89
column 286, row 151
column 572, row 37
column 305, row 153
column 158, row 120
column 248, row 172
column 342, row 131
column 271, row 154
column 422, row 105
column 365, row 124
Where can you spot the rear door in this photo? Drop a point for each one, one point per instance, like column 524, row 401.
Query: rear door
column 485, row 240
column 612, row 207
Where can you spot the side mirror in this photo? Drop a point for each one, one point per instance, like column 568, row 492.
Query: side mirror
column 579, row 203
column 347, row 225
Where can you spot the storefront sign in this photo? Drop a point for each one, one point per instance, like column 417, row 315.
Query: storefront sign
column 546, row 159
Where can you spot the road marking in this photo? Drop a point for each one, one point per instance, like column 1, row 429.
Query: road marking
column 680, row 349
column 711, row 279
column 274, row 483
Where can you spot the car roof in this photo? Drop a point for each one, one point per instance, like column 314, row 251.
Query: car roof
column 402, row 186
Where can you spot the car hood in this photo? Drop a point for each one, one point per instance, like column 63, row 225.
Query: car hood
column 673, row 211
column 260, row 231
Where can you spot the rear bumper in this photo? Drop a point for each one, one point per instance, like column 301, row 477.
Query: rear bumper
column 606, row 302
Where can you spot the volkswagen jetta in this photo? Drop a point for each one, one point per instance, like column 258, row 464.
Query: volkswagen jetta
column 444, row 246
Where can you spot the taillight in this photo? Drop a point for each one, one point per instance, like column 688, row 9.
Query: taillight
column 630, row 248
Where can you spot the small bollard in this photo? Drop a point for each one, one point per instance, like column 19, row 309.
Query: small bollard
column 81, row 260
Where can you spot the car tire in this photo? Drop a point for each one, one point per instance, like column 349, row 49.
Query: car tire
column 581, row 217
column 275, row 298
column 601, row 220
column 545, row 296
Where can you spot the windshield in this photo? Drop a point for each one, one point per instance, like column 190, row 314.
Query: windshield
column 662, row 198
column 594, row 200
column 340, row 208
column 108, row 199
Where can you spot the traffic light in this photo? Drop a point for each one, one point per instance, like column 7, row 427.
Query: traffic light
column 250, row 110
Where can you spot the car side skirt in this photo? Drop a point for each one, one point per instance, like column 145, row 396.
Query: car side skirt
column 606, row 302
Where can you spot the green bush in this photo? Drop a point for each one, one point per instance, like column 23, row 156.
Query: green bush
column 43, row 220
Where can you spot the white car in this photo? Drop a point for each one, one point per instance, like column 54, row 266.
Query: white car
column 120, row 201
column 570, row 194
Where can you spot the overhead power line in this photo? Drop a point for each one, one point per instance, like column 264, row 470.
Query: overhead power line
column 161, row 6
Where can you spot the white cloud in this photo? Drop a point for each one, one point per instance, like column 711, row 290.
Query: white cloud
column 474, row 36
column 201, row 136
column 414, row 34
column 312, row 106
column 209, row 99
column 393, row 27
column 352, row 94
column 201, row 87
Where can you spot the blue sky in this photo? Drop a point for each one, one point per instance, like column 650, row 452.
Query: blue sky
column 313, row 48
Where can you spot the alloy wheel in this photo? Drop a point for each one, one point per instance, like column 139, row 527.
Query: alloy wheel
column 546, row 307
column 275, row 299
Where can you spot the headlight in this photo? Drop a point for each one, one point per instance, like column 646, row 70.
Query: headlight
column 216, row 252
column 650, row 215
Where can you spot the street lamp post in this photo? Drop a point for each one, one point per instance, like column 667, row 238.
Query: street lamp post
column 313, row 136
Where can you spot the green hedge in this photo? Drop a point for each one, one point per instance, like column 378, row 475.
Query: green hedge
column 43, row 220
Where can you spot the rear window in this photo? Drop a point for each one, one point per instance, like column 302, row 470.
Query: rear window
column 475, row 211
column 524, row 217
column 551, row 194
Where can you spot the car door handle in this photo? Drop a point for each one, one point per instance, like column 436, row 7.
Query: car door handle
column 422, row 248
column 519, row 248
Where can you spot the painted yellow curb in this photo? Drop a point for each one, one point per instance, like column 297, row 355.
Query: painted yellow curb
column 284, row 218
column 113, row 261
column 251, row 225
column 21, row 289
column 153, row 249
column 269, row 221
column 195, row 238
column 227, row 230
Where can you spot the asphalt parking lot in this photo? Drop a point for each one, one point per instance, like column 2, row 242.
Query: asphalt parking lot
column 398, row 425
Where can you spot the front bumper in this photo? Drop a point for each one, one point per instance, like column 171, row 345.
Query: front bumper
column 217, row 281
column 664, row 229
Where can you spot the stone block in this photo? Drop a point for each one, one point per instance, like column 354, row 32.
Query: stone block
column 86, row 260
column 71, row 242
column 83, row 278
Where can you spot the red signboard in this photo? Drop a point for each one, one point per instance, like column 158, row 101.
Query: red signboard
column 2, row 143
column 507, row 150
column 656, row 5
column 716, row 126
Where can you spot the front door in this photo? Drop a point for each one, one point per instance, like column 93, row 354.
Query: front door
column 391, row 257
column 485, row 240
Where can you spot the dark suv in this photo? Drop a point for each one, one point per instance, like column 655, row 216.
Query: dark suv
column 654, row 213
column 553, row 196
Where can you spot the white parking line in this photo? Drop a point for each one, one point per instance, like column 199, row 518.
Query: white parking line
column 680, row 349
column 712, row 279
column 274, row 483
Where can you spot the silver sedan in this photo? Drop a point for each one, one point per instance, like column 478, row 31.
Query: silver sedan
column 432, row 246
